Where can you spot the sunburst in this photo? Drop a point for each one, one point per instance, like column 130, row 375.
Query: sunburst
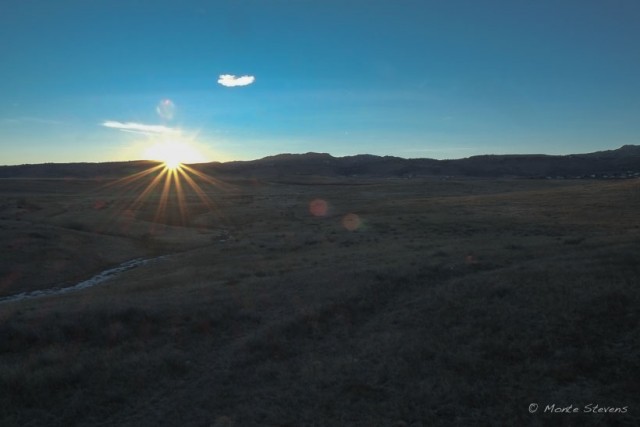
column 170, row 183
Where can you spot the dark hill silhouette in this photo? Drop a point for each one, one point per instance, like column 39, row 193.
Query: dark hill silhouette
column 105, row 170
column 622, row 162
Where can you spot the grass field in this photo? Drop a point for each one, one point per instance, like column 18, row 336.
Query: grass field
column 322, row 302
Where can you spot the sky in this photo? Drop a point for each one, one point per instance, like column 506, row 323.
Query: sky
column 111, row 80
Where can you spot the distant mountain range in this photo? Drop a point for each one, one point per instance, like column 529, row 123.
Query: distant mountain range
column 623, row 162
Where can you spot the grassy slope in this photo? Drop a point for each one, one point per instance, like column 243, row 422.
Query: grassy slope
column 454, row 303
column 59, row 232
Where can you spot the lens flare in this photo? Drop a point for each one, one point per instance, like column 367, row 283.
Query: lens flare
column 351, row 222
column 166, row 109
column 318, row 207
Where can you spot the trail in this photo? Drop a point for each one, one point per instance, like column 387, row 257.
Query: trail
column 99, row 278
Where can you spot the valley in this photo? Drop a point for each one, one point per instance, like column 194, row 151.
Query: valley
column 319, row 301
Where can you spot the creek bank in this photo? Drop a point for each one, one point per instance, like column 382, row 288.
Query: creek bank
column 97, row 279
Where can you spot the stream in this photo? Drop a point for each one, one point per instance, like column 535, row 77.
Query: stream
column 101, row 277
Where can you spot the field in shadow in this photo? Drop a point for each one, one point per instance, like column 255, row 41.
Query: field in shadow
column 339, row 302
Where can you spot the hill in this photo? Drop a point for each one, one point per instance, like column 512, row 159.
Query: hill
column 620, row 163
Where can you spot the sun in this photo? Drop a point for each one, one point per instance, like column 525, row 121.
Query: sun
column 172, row 164
column 173, row 183
column 174, row 153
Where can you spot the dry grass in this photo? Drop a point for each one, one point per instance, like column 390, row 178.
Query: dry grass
column 453, row 303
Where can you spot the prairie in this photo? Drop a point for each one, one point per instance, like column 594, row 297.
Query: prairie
column 321, row 302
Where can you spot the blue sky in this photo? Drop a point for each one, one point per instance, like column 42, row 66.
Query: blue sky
column 410, row 78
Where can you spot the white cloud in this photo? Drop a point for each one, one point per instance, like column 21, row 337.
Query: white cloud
column 140, row 128
column 229, row 80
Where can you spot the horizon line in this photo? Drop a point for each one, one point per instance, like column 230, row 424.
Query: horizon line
column 317, row 152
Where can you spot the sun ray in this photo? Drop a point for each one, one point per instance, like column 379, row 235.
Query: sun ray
column 163, row 195
column 135, row 177
column 152, row 185
column 182, row 204
column 207, row 178
column 200, row 193
column 162, row 204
